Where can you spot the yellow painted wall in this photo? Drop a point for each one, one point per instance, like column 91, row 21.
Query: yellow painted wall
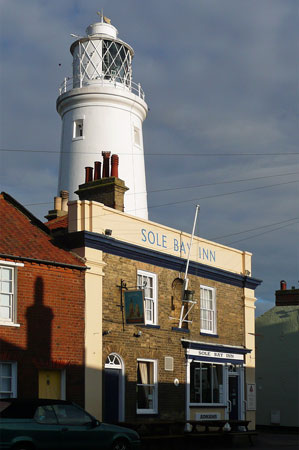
column 95, row 217
column 93, row 330
column 249, row 317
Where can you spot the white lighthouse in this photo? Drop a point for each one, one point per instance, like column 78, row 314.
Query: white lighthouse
column 102, row 109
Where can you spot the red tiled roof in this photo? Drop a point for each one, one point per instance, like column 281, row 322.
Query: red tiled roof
column 59, row 222
column 23, row 235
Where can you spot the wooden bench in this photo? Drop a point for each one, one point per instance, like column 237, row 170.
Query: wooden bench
column 160, row 430
column 203, row 428
column 219, row 424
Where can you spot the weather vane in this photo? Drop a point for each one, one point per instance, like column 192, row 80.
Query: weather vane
column 103, row 18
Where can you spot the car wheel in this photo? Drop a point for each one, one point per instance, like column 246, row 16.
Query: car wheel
column 120, row 444
column 23, row 446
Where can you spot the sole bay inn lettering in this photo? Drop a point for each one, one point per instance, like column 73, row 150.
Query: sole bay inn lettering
column 159, row 240
column 215, row 355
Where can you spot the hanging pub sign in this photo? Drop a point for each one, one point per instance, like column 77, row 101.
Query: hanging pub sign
column 134, row 309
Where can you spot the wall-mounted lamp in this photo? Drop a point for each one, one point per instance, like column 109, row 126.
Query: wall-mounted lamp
column 188, row 295
column 108, row 232
column 138, row 334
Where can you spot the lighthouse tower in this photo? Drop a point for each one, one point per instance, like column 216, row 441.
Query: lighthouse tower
column 102, row 109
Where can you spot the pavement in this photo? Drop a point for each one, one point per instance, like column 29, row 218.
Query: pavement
column 265, row 440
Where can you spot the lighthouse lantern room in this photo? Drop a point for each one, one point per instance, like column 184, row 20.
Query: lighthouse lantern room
column 102, row 109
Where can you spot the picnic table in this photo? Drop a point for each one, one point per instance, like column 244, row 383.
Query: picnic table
column 157, row 430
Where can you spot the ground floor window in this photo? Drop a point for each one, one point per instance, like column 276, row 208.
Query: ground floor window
column 206, row 383
column 147, row 388
column 8, row 379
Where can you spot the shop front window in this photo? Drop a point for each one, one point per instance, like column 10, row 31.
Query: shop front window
column 206, row 383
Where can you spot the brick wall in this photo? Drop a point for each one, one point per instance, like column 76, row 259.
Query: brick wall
column 50, row 311
column 158, row 343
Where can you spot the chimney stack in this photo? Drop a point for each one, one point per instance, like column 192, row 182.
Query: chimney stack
column 109, row 190
column 60, row 206
column 286, row 297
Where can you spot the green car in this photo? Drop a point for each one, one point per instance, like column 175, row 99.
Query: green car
column 58, row 424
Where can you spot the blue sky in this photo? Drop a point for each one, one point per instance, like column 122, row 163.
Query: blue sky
column 220, row 81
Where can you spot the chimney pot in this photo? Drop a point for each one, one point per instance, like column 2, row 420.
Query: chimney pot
column 106, row 156
column 114, row 165
column 88, row 174
column 65, row 198
column 57, row 203
column 97, row 170
column 283, row 285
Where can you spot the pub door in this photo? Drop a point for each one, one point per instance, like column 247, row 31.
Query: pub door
column 233, row 396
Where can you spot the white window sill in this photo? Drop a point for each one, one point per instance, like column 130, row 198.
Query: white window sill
column 9, row 324
column 80, row 138
column 212, row 333
column 210, row 405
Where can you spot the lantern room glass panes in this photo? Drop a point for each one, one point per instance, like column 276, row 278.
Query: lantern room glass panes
column 6, row 293
column 101, row 59
column 116, row 61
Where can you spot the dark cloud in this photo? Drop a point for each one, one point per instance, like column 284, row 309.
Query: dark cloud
column 219, row 77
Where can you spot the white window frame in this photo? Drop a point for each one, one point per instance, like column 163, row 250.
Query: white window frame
column 13, row 392
column 153, row 410
column 153, row 300
column 77, row 123
column 137, row 136
column 212, row 312
column 222, row 392
column 12, row 320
